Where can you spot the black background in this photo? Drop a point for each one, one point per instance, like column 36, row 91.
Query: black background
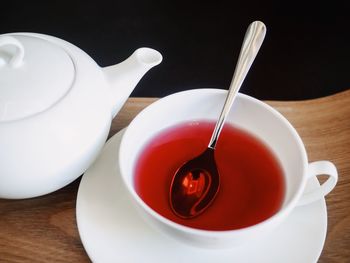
column 306, row 52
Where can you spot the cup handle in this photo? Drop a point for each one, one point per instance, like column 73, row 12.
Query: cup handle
column 315, row 169
column 17, row 58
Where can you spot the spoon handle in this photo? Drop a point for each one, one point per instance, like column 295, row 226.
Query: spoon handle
column 253, row 39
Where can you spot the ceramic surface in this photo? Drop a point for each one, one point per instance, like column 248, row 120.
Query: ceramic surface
column 56, row 107
column 247, row 113
column 112, row 230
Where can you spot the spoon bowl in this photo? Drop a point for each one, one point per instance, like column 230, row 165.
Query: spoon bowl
column 195, row 185
column 197, row 182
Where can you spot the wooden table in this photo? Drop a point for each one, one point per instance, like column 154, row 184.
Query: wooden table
column 43, row 229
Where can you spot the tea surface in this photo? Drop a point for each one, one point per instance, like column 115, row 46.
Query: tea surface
column 252, row 183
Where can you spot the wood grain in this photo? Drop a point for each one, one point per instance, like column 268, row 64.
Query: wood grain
column 43, row 229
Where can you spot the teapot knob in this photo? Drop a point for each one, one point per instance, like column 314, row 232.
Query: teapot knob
column 13, row 57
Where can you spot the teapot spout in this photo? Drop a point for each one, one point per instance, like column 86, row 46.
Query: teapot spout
column 123, row 77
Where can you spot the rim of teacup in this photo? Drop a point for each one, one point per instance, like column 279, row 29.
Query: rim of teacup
column 283, row 212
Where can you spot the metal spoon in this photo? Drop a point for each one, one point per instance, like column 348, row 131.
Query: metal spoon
column 196, row 183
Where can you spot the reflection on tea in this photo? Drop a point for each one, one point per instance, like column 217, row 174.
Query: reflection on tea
column 252, row 182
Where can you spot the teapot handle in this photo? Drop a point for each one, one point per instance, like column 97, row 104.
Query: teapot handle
column 16, row 58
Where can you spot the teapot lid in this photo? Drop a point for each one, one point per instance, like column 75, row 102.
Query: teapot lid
column 34, row 75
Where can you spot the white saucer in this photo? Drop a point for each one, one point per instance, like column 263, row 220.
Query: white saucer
column 112, row 230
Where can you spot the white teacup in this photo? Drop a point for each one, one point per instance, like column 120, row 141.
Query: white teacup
column 247, row 113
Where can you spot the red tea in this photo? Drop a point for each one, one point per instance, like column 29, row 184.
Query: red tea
column 252, row 183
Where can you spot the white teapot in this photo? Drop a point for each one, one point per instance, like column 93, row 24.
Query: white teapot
column 56, row 107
